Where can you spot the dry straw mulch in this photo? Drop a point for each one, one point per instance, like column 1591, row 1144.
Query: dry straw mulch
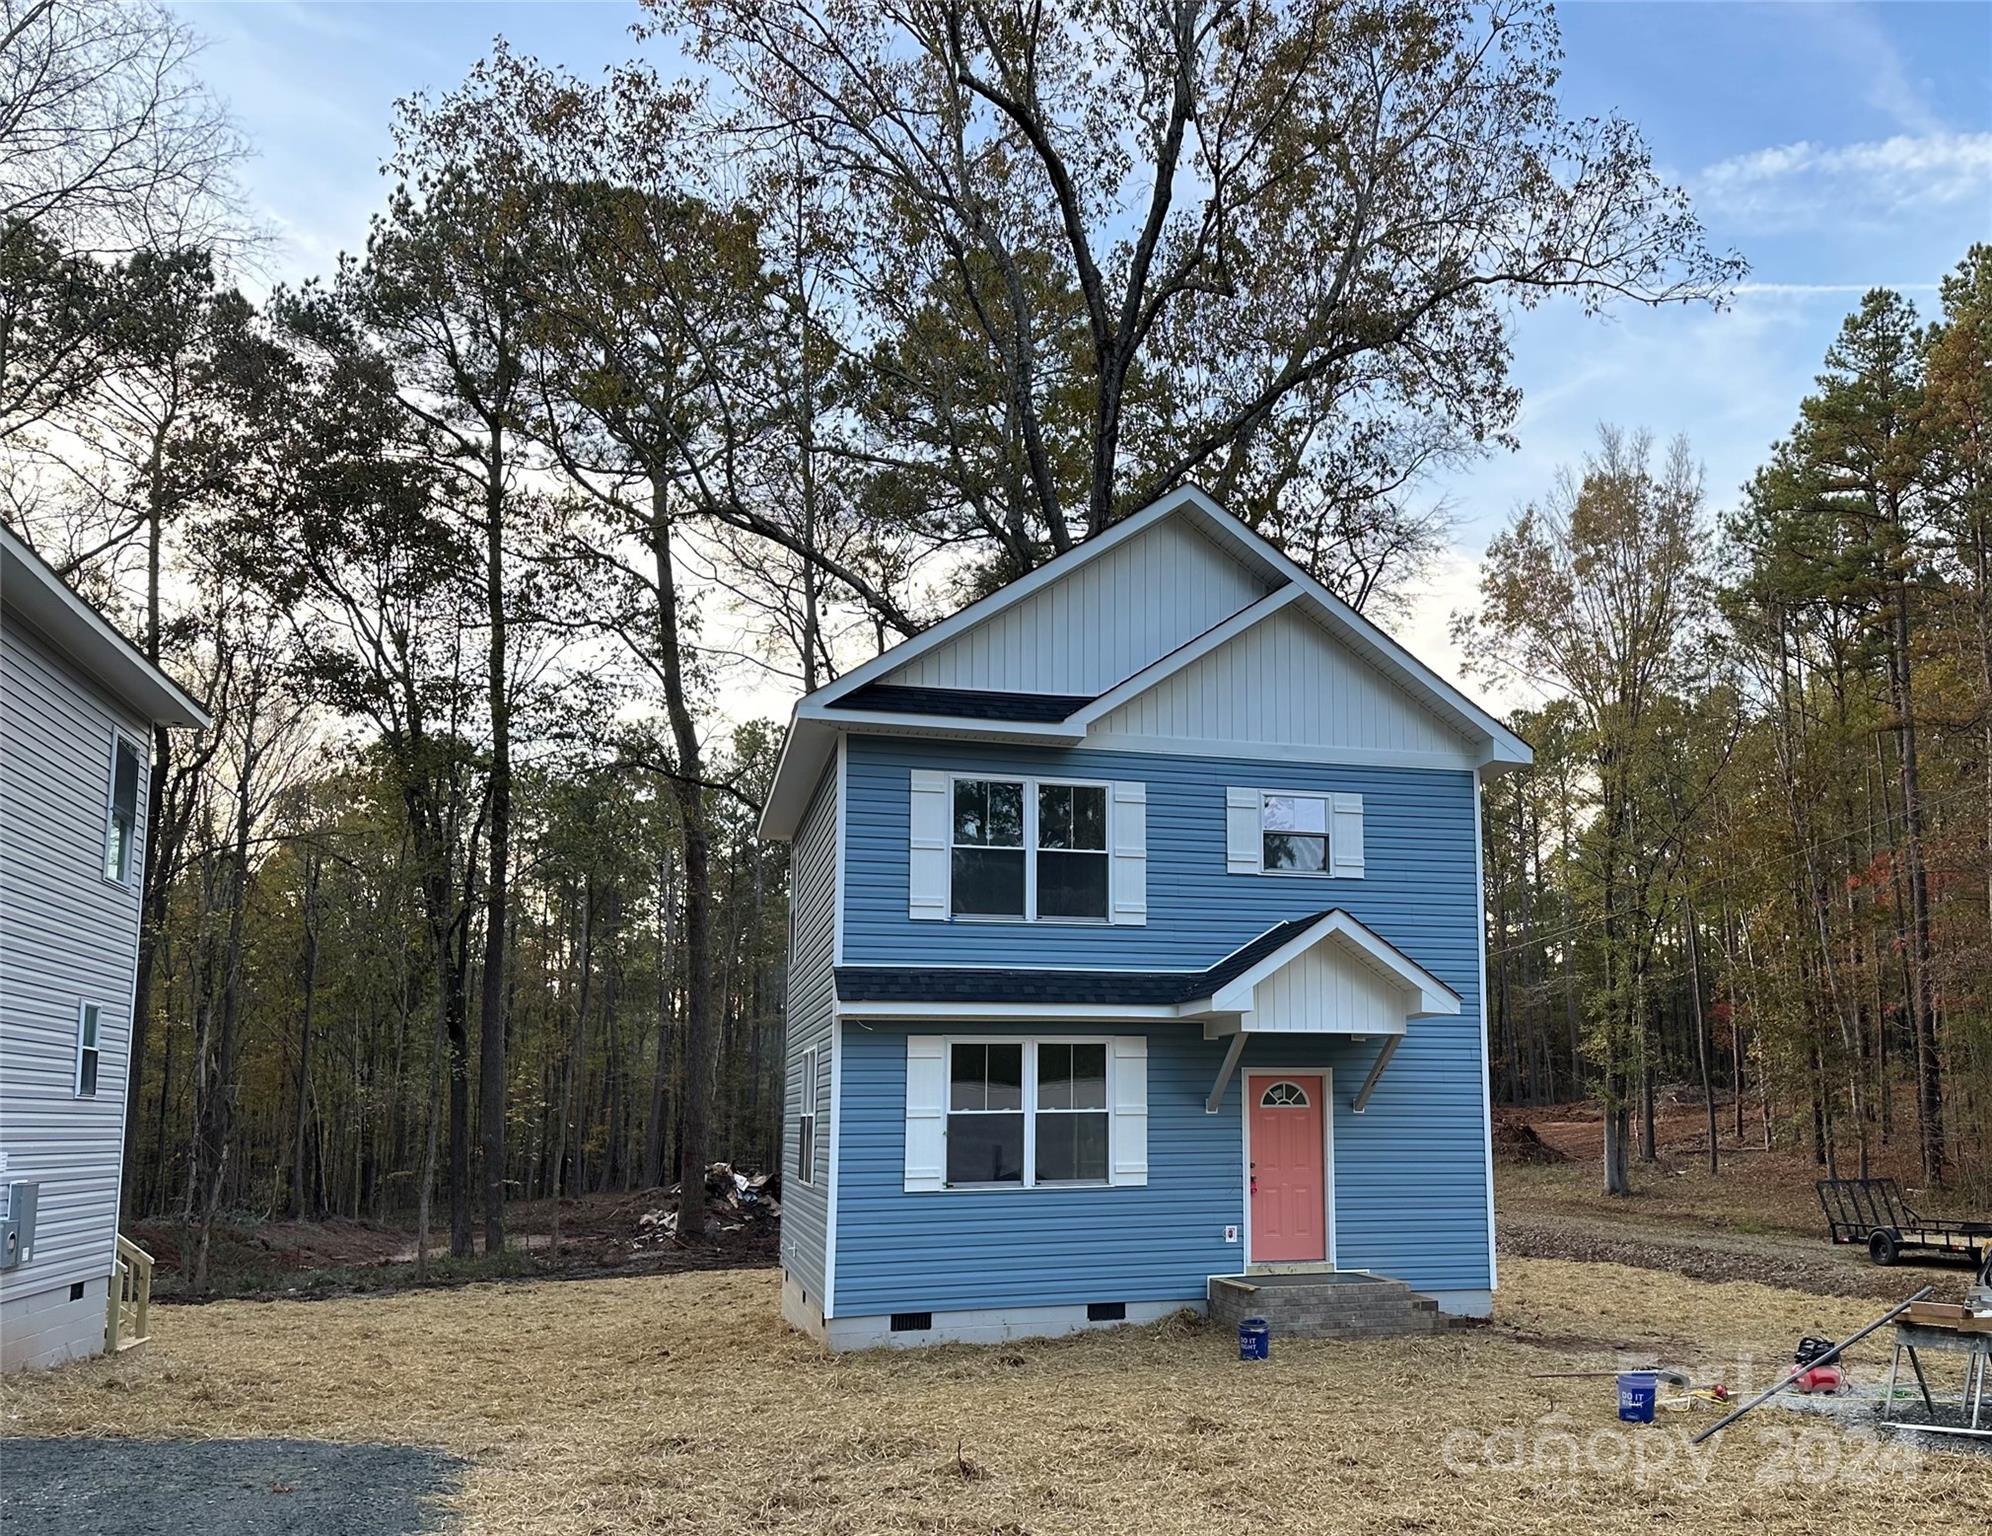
column 680, row 1403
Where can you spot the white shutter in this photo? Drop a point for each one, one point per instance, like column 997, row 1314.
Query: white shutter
column 1127, row 836
column 927, row 847
column 1241, row 831
column 1127, row 1128
column 1345, row 836
column 926, row 1112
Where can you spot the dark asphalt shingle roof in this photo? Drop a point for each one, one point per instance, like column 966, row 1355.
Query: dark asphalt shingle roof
column 963, row 703
column 977, row 984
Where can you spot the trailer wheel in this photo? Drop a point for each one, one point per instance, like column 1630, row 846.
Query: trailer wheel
column 1882, row 1247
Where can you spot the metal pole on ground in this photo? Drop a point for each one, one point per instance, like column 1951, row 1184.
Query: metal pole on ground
column 1826, row 1359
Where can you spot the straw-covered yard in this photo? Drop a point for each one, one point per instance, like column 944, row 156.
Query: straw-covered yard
column 680, row 1404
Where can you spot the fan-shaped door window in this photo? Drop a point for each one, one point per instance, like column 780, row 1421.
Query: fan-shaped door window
column 1284, row 1095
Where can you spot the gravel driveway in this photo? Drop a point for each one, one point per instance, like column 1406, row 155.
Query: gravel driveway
column 1799, row 1264
column 116, row 1487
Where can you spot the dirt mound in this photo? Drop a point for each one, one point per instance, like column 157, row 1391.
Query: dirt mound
column 1516, row 1141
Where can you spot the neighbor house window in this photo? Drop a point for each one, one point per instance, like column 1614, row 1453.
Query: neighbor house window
column 1294, row 833
column 121, row 828
column 1027, row 1112
column 805, row 1134
column 1024, row 848
column 86, row 1051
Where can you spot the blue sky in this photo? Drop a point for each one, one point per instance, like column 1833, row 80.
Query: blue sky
column 1835, row 146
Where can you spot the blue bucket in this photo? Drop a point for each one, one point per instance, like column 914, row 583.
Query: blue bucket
column 1637, row 1392
column 1255, row 1339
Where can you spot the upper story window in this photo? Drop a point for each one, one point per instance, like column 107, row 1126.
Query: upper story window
column 1029, row 848
column 121, row 821
column 1294, row 833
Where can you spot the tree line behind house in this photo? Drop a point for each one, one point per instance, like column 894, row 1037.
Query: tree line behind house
column 645, row 405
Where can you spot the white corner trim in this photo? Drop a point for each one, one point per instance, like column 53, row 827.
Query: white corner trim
column 830, row 1198
column 1486, row 1035
column 1327, row 1076
column 839, row 788
column 1138, row 683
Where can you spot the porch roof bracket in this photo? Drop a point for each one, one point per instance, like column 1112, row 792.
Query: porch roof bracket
column 1383, row 1056
column 1231, row 1054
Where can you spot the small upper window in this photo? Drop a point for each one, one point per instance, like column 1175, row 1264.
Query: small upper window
column 86, row 1052
column 1294, row 830
column 121, row 829
column 1284, row 1095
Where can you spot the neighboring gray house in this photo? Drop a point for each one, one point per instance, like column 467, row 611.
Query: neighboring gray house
column 78, row 703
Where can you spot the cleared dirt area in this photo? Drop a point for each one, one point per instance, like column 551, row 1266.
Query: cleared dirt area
column 600, row 1234
column 680, row 1403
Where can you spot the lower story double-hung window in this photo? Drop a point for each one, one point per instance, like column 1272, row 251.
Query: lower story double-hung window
column 1027, row 1112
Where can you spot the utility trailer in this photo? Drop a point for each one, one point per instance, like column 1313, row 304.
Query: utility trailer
column 1872, row 1211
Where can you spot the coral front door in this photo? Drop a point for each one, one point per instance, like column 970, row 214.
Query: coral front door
column 1287, row 1174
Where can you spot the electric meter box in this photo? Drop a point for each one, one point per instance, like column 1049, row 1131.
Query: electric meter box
column 17, row 1223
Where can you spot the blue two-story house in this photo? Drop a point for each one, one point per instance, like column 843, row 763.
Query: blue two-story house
column 1136, row 942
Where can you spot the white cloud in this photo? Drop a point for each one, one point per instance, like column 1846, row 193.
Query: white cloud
column 1807, row 184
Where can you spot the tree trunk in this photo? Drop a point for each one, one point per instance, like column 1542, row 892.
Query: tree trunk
column 313, row 862
column 491, row 1079
column 689, row 791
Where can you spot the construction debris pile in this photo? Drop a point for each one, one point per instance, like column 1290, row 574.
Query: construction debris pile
column 735, row 1202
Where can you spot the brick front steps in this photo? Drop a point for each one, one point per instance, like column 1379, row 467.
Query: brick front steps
column 1324, row 1304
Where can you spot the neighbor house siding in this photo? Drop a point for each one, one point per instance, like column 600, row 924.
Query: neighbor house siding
column 1410, row 1172
column 1410, row 1197
column 1102, row 623
column 811, row 996
column 67, row 936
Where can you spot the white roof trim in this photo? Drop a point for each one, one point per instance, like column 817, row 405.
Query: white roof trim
column 45, row 601
column 1428, row 995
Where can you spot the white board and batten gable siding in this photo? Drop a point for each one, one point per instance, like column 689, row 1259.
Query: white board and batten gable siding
column 1099, row 625
column 1286, row 682
column 1328, row 991
column 68, row 936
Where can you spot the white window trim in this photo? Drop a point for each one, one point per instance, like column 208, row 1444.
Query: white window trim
column 1031, row 784
column 1327, row 800
column 135, row 865
column 83, row 1011
column 806, row 1111
column 1030, row 1043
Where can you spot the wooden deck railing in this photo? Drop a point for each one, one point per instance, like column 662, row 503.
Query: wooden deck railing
column 128, row 1322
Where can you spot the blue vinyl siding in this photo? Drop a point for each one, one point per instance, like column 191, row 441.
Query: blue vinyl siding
column 812, row 948
column 1410, row 1172
column 1408, row 1203
column 1418, row 891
